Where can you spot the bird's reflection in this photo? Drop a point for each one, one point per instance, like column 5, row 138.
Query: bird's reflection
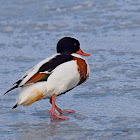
column 41, row 130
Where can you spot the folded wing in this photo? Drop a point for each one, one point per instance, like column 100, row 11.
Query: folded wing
column 42, row 70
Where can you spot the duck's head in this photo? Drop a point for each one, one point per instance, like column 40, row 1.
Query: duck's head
column 69, row 45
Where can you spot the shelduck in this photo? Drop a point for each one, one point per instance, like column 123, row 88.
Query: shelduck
column 54, row 76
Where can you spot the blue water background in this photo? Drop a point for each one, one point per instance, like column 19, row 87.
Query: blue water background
column 107, row 106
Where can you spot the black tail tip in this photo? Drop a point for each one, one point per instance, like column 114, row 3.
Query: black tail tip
column 15, row 106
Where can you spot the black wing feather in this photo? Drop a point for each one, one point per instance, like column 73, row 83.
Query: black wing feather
column 54, row 62
column 16, row 86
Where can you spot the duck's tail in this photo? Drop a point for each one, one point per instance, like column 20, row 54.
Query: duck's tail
column 15, row 106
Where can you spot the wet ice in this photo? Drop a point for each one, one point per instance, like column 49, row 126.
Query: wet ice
column 107, row 105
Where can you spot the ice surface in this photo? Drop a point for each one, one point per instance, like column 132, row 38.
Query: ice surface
column 107, row 106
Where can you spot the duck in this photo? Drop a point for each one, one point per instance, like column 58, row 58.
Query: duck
column 54, row 76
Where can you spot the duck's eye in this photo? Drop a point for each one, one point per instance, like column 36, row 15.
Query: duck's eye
column 75, row 44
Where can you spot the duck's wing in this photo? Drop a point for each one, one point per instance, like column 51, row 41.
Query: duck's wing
column 31, row 74
column 41, row 71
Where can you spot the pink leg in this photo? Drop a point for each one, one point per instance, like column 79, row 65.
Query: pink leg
column 62, row 111
column 52, row 111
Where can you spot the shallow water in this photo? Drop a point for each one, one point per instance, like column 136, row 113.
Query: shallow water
column 108, row 105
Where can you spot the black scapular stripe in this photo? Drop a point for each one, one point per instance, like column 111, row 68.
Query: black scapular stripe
column 54, row 62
